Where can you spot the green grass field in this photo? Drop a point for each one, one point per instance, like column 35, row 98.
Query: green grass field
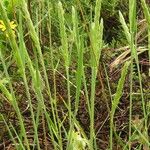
column 74, row 75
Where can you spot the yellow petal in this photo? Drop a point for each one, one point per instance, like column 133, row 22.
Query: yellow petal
column 1, row 26
column 4, row 28
column 13, row 25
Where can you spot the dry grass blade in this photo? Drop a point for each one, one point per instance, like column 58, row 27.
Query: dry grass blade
column 125, row 56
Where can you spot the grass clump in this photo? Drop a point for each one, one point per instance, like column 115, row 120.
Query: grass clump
column 59, row 68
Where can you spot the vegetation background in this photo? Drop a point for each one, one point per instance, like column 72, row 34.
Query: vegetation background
column 74, row 74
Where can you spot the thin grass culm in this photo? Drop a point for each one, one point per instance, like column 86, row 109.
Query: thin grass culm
column 116, row 100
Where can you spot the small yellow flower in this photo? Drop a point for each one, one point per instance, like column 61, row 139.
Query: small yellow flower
column 13, row 25
column 3, row 27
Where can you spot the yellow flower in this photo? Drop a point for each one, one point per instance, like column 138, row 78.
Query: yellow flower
column 3, row 27
column 13, row 25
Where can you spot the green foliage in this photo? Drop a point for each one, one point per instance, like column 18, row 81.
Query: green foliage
column 11, row 6
column 120, row 86
column 59, row 49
